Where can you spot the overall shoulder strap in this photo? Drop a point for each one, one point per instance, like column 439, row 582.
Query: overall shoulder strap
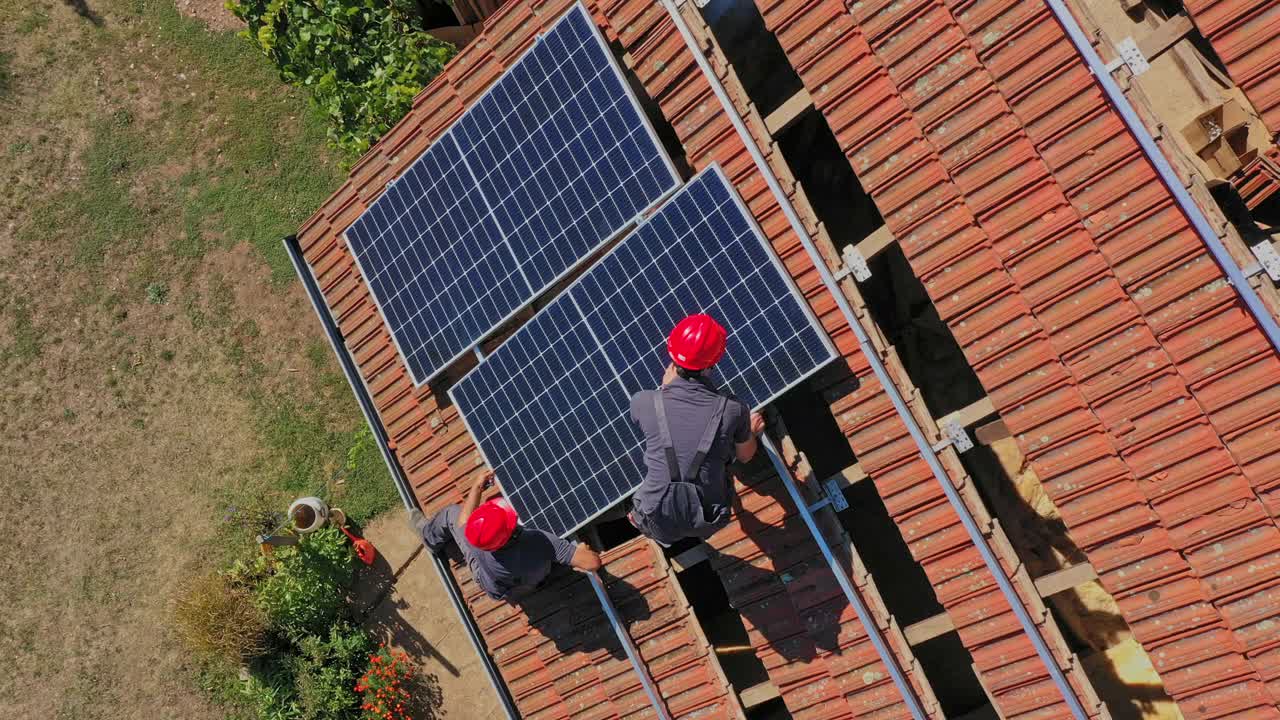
column 664, row 435
column 708, row 437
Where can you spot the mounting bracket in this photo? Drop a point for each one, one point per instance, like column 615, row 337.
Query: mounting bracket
column 832, row 495
column 1131, row 55
column 955, row 435
column 1268, row 259
column 854, row 264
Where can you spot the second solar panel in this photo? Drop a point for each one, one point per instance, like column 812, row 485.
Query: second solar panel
column 549, row 408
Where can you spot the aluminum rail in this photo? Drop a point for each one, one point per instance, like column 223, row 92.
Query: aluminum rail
column 1167, row 174
column 629, row 646
column 365, row 401
column 882, row 373
column 864, row 614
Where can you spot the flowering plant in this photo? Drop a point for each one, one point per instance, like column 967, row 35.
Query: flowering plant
column 383, row 686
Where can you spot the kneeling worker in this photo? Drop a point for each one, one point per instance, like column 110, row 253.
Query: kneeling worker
column 506, row 559
column 692, row 432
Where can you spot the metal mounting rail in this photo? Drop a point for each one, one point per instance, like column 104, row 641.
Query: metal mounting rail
column 1166, row 172
column 629, row 646
column 864, row 614
column 882, row 373
column 393, row 467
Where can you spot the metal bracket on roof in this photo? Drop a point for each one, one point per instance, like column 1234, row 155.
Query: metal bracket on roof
column 478, row 353
column 955, row 435
column 1268, row 259
column 701, row 3
column 854, row 264
column 1131, row 55
column 832, row 495
column 836, row 495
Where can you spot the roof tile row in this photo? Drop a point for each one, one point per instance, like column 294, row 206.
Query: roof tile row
column 1073, row 358
column 1246, row 35
column 548, row 678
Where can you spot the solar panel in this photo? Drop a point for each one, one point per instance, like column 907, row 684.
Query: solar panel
column 560, row 147
column 435, row 261
column 549, row 407
column 552, row 162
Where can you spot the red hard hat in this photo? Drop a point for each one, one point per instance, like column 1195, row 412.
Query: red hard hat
column 696, row 342
column 491, row 525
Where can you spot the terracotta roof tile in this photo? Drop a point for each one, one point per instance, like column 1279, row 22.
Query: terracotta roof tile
column 1050, row 202
column 997, row 232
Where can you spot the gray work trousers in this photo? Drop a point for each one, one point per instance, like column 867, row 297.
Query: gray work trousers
column 443, row 527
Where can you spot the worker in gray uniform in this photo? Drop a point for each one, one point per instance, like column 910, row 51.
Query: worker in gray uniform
column 692, row 432
column 506, row 560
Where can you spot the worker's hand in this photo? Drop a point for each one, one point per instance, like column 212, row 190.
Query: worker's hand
column 670, row 373
column 585, row 559
column 757, row 423
column 485, row 481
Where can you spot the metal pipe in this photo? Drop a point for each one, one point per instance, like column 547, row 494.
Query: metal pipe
column 628, row 646
column 1266, row 321
column 882, row 373
column 868, row 622
column 398, row 477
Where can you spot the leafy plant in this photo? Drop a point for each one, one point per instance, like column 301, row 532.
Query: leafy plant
column 157, row 293
column 272, row 691
column 383, row 685
column 305, row 591
column 327, row 670
column 359, row 58
column 215, row 618
column 6, row 74
column 367, row 490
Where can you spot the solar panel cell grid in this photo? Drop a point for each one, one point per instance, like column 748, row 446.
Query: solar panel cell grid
column 555, row 159
column 549, row 408
column 549, row 137
column 700, row 253
column 435, row 260
column 554, row 414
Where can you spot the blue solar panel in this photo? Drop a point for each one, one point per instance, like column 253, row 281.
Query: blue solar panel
column 553, row 161
column 549, row 407
column 563, row 151
column 435, row 261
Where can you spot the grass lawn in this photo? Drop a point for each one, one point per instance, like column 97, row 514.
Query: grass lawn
column 168, row 388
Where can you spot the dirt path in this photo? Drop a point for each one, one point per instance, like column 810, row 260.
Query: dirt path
column 409, row 608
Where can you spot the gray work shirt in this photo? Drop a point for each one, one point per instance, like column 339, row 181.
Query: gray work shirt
column 513, row 569
column 519, row 566
column 689, row 406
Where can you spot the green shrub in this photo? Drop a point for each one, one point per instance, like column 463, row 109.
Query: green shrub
column 272, row 691
column 305, row 592
column 214, row 618
column 327, row 671
column 312, row 680
column 359, row 58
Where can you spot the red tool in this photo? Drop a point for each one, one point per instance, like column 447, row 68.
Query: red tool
column 364, row 549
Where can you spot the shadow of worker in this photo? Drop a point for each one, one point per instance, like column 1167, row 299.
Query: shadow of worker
column 787, row 592
column 566, row 610
column 381, row 612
